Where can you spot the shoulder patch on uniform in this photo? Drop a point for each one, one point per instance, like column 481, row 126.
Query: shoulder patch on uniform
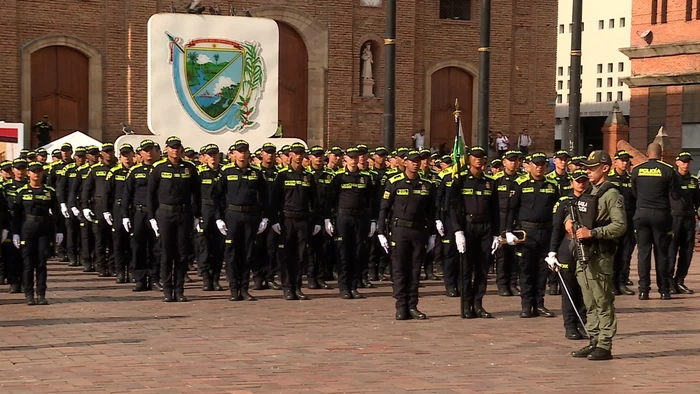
column 694, row 177
column 564, row 198
column 664, row 163
column 396, row 178
column 498, row 176
column 50, row 188
column 489, row 177
column 159, row 162
column 25, row 187
column 522, row 179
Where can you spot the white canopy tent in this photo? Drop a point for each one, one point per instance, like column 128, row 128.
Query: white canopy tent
column 75, row 138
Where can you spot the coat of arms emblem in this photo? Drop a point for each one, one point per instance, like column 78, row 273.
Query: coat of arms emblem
column 217, row 81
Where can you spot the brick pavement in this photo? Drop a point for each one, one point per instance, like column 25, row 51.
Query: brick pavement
column 99, row 337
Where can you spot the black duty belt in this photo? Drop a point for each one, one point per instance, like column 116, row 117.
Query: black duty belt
column 174, row 208
column 296, row 214
column 408, row 223
column 535, row 225
column 139, row 208
column 684, row 214
column 351, row 212
column 38, row 219
column 207, row 202
column 476, row 219
column 242, row 208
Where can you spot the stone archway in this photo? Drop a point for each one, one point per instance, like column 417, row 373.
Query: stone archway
column 315, row 38
column 94, row 81
column 460, row 64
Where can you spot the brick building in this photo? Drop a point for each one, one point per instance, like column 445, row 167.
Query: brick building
column 665, row 80
column 84, row 64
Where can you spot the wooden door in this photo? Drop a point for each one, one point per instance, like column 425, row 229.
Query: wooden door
column 447, row 84
column 293, row 82
column 60, row 89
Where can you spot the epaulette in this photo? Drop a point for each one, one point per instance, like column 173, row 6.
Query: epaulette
column 133, row 168
column 69, row 165
column 37, row 123
column 50, row 188
column 86, row 165
column 201, row 168
column 551, row 175
column 95, row 165
column 694, row 177
column 23, row 188
column 396, row 178
column 115, row 168
column 611, row 172
column 227, row 166
column 551, row 182
column 282, row 169
column 445, row 172
column 255, row 166
column 489, row 177
column 365, row 173
column 498, row 175
column 564, row 198
column 522, row 179
column 161, row 161
column 664, row 163
column 422, row 178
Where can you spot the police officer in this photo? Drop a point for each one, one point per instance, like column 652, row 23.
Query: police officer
column 530, row 208
column 443, row 225
column 561, row 178
column 242, row 190
column 378, row 260
column 43, row 131
column 209, row 240
column 599, row 233
column 475, row 220
column 145, row 244
column 57, row 179
column 174, row 206
column 351, row 196
column 11, row 257
column 267, row 243
column 77, row 176
column 408, row 206
column 654, row 183
column 335, row 158
column 115, row 182
column 620, row 177
column 318, row 245
column 433, row 176
column 506, row 265
column 35, row 230
column 683, row 211
column 294, row 212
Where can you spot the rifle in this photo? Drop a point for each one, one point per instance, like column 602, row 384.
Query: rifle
column 579, row 250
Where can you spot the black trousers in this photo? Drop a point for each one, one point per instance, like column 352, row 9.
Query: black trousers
column 36, row 247
column 240, row 247
column 293, row 240
column 682, row 245
column 568, row 273
column 353, row 233
column 407, row 257
column 145, row 249
column 315, row 256
column 506, row 267
column 533, row 268
column 476, row 263
column 102, row 235
column 623, row 256
column 121, row 253
column 13, row 261
column 87, row 244
column 209, row 246
column 450, row 261
column 175, row 235
column 653, row 229
column 72, row 242
column 265, row 266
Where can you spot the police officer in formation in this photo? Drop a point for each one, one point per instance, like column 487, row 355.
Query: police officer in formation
column 683, row 211
column 620, row 177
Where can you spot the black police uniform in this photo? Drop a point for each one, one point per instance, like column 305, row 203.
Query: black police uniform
column 115, row 183
column 10, row 256
column 209, row 240
column 506, row 263
column 450, row 267
column 530, row 209
column 77, row 177
column 59, row 180
column 626, row 243
column 318, row 244
column 43, row 130
column 267, row 243
column 174, row 201
column 92, row 197
column 378, row 259
column 683, row 212
column 430, row 257
column 408, row 207
column 654, row 183
column 239, row 200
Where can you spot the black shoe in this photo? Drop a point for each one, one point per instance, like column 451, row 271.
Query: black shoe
column 452, row 292
column 275, row 285
column 665, row 295
column 88, row 269
column 158, row 286
column 542, row 311
column 367, row 284
column 430, row 276
column 672, row 289
column 553, row 290
column 483, row 314
column 289, row 295
column 103, row 274
column 30, row 300
column 526, row 313
column 416, row 314
column 207, row 285
column 356, row 295
column 504, row 292
column 599, row 354
column 372, row 277
column 626, row 290
column 683, row 289
column 586, row 350
column 41, row 300
column 64, row 259
column 515, row 290
column 345, row 295
column 617, row 291
column 215, row 284
column 322, row 283
column 182, row 298
column 121, row 279
column 235, row 296
column 402, row 314
column 643, row 295
column 572, row 334
column 140, row 287
column 168, row 298
column 259, row 285
column 629, row 283
column 246, row 296
column 15, row 288
column 311, row 284
column 74, row 264
column 582, row 332
column 301, row 295
column 469, row 313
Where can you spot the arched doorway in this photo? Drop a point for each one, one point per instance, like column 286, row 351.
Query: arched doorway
column 447, row 84
column 293, row 82
column 60, row 89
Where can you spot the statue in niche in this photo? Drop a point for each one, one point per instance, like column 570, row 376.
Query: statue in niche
column 371, row 3
column 367, row 76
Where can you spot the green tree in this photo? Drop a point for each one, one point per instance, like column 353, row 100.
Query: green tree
column 192, row 57
column 216, row 58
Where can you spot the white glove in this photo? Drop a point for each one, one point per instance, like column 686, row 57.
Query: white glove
column 126, row 222
column 76, row 212
column 329, row 227
column 89, row 216
column 198, row 224
column 277, row 228
column 59, row 238
column 317, row 228
column 64, row 210
column 15, row 240
column 372, row 228
column 384, row 242
column 431, row 243
column 5, row 233
column 461, row 242
column 511, row 238
column 552, row 261
column 494, row 245
column 108, row 217
column 221, row 225
column 440, row 227
column 263, row 225
column 154, row 226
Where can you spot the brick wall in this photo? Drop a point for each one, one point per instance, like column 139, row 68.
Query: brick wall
column 522, row 58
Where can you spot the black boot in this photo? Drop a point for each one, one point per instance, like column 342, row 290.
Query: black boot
column 504, row 292
column 643, row 295
column 416, row 314
column 402, row 314
column 683, row 289
column 617, row 290
column 452, row 292
column 572, row 333
column 140, row 286
column 30, row 300
column 258, row 284
column 542, row 311
column 599, row 354
column 275, row 285
column 246, row 296
column 526, row 313
column 586, row 350
column 515, row 290
column 289, row 295
column 626, row 290
column 41, row 300
column 367, row 284
column 215, row 283
column 312, row 284
column 482, row 313
column 322, row 283
column 121, row 278
column 300, row 295
column 15, row 288
column 206, row 284
column 235, row 295
column 356, row 295
column 469, row 312
column 181, row 298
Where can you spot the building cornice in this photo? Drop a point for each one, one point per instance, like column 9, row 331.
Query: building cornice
column 641, row 81
column 672, row 49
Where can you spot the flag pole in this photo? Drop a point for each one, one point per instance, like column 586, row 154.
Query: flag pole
column 458, row 159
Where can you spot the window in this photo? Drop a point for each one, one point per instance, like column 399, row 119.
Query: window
column 558, row 98
column 598, row 97
column 609, row 82
column 571, row 27
column 599, row 83
column 560, row 71
column 609, row 96
column 654, row 11
column 560, row 85
column 664, row 11
column 456, row 9
column 691, row 104
column 601, row 24
column 610, row 67
column 600, row 68
column 656, row 111
column 611, row 24
column 561, row 29
column 622, row 22
column 620, row 83
column 619, row 96
column 621, row 67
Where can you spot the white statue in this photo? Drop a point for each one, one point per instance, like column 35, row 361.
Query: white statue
column 367, row 62
column 371, row 3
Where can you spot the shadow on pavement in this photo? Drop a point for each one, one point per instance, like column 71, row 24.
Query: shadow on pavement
column 69, row 344
column 78, row 320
